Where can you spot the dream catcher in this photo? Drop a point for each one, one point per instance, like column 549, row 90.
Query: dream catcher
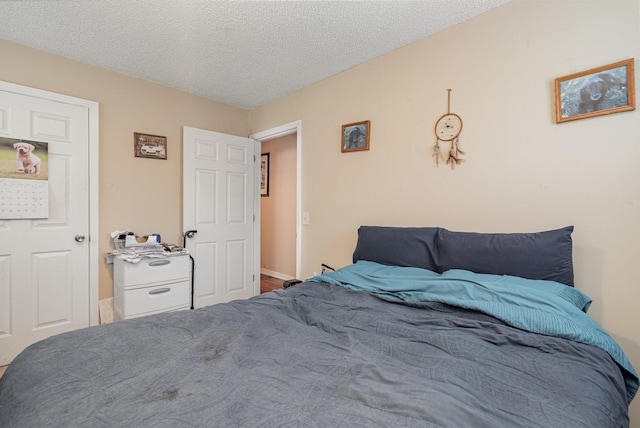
column 448, row 129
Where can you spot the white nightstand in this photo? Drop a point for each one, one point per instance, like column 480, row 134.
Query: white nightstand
column 151, row 286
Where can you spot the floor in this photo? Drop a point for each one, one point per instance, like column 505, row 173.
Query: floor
column 267, row 283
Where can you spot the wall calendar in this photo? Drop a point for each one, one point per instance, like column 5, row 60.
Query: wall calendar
column 24, row 179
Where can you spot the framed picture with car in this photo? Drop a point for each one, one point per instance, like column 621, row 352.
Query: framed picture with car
column 149, row 146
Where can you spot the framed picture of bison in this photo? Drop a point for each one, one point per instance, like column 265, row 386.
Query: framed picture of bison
column 602, row 90
column 355, row 136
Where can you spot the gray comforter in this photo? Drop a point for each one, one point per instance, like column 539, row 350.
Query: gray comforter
column 314, row 355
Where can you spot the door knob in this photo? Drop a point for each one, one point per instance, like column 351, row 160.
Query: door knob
column 79, row 238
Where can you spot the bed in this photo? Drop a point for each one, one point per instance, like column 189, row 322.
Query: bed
column 426, row 328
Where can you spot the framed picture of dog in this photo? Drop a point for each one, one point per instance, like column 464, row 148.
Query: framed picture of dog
column 355, row 136
column 602, row 90
column 149, row 146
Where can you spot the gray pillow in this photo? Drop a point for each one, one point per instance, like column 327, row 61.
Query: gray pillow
column 542, row 255
column 398, row 246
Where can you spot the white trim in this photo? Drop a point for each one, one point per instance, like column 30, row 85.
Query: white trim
column 93, row 161
column 281, row 131
column 94, row 190
column 256, row 212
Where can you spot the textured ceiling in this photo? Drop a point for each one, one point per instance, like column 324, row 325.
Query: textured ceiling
column 242, row 53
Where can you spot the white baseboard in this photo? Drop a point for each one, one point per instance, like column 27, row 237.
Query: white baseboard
column 276, row 274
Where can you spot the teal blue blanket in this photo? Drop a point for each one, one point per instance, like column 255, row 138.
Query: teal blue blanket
column 543, row 307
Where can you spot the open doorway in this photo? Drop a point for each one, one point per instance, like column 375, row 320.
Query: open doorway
column 280, row 211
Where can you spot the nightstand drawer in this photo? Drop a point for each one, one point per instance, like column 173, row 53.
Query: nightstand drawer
column 158, row 298
column 148, row 271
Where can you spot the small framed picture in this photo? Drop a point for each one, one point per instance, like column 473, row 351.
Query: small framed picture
column 264, row 174
column 602, row 90
column 149, row 146
column 355, row 136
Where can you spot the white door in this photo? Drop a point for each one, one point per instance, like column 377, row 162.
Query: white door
column 46, row 277
column 220, row 200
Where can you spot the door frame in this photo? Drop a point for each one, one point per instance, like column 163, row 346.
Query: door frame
column 93, row 188
column 281, row 131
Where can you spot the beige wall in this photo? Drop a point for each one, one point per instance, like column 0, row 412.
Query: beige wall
column 143, row 195
column 523, row 172
column 278, row 210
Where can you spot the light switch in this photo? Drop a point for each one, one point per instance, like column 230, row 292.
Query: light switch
column 305, row 218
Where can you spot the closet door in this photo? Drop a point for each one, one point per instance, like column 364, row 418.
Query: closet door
column 45, row 273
